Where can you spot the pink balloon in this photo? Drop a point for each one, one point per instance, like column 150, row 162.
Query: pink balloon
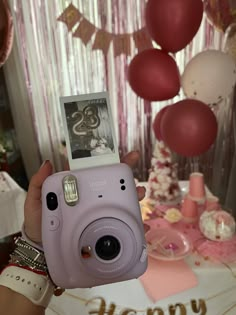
column 173, row 23
column 157, row 123
column 154, row 75
column 189, row 127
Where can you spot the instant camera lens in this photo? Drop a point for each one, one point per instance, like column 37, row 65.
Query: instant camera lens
column 107, row 247
column 52, row 202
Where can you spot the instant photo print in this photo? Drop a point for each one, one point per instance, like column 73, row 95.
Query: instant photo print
column 89, row 130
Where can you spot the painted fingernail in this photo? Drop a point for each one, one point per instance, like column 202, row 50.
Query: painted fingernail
column 44, row 162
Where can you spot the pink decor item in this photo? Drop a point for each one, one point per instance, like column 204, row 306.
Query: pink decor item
column 219, row 252
column 197, row 187
column 217, row 225
column 165, row 278
column 168, row 244
column 189, row 210
column 212, row 203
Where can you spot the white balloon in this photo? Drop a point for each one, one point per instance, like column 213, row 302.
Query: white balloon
column 209, row 77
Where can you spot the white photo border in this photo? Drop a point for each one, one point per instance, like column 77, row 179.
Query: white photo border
column 93, row 161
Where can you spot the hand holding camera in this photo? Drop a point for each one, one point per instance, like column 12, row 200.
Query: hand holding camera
column 33, row 206
column 92, row 230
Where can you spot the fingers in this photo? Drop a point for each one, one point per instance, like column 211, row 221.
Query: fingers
column 141, row 192
column 146, row 227
column 131, row 158
column 37, row 180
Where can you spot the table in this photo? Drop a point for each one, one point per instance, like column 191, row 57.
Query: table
column 213, row 293
column 12, row 198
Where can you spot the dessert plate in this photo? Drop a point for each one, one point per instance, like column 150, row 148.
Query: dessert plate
column 168, row 244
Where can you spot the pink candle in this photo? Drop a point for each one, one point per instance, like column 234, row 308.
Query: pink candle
column 189, row 209
column 197, row 187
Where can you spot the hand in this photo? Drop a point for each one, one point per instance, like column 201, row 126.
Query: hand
column 33, row 203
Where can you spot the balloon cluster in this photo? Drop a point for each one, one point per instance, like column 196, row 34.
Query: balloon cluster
column 188, row 127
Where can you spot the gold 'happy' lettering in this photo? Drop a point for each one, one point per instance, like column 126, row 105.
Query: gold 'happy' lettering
column 198, row 307
column 129, row 311
column 102, row 308
column 201, row 307
column 180, row 307
column 155, row 311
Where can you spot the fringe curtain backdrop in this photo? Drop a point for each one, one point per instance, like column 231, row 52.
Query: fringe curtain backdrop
column 55, row 63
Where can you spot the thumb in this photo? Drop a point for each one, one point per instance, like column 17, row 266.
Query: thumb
column 34, row 191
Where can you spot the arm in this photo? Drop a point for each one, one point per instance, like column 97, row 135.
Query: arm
column 12, row 303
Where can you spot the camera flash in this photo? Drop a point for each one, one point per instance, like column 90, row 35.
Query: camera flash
column 70, row 190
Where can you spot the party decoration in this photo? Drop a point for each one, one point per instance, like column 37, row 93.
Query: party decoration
column 163, row 183
column 157, row 123
column 221, row 13
column 189, row 209
column 6, row 32
column 154, row 75
column 99, row 306
column 209, row 77
column 197, row 189
column 102, row 39
column 217, row 225
column 168, row 244
column 218, row 252
column 189, row 127
column 173, row 215
column 173, row 23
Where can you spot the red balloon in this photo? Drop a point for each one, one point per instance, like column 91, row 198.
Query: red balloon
column 173, row 23
column 189, row 127
column 154, row 75
column 157, row 123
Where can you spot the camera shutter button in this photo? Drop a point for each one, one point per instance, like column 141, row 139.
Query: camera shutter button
column 53, row 223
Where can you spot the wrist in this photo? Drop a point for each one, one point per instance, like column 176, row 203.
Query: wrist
column 27, row 274
column 30, row 241
column 37, row 288
column 26, row 255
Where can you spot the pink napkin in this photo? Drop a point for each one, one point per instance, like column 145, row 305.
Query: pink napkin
column 165, row 278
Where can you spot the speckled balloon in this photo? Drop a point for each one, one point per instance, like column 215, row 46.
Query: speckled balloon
column 209, row 77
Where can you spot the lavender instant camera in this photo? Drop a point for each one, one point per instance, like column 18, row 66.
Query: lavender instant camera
column 92, row 229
